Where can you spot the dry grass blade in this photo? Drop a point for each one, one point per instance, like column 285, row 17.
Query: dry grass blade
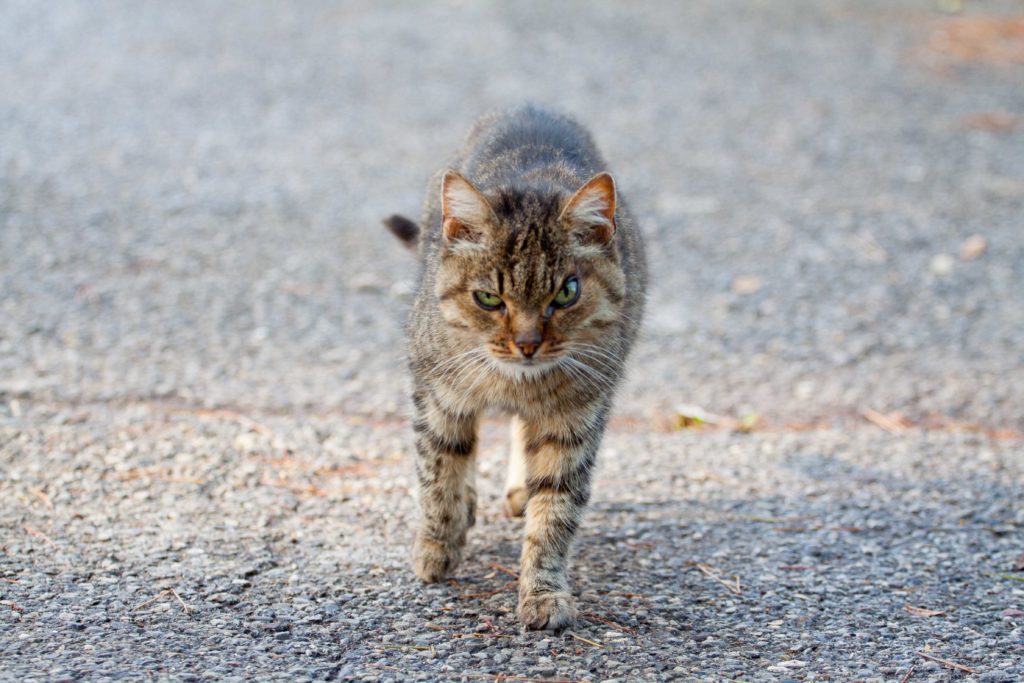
column 923, row 611
column 886, row 422
column 155, row 474
column 153, row 599
column 401, row 646
column 946, row 662
column 586, row 640
column 162, row 594
column 608, row 622
column 524, row 679
column 733, row 587
column 41, row 495
column 488, row 594
column 910, row 671
column 32, row 531
column 234, row 416
column 180, row 601
column 500, row 568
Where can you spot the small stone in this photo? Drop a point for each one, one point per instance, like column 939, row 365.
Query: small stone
column 942, row 264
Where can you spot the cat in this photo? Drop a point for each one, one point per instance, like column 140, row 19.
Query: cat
column 532, row 282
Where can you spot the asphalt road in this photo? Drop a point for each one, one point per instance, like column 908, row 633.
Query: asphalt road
column 204, row 449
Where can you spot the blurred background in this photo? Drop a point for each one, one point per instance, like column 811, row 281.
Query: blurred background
column 204, row 452
column 831, row 192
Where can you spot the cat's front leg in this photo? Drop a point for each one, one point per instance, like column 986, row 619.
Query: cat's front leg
column 446, row 455
column 560, row 453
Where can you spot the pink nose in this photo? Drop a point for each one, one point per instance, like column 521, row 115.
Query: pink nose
column 528, row 344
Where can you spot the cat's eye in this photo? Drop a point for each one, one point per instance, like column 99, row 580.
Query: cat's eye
column 568, row 294
column 487, row 300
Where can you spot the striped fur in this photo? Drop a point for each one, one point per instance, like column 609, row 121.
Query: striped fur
column 526, row 205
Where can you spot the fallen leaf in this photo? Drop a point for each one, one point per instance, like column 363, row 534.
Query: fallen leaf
column 746, row 284
column 973, row 247
column 749, row 423
column 994, row 121
column 693, row 416
column 992, row 40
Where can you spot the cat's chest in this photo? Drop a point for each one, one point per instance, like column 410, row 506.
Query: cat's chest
column 550, row 391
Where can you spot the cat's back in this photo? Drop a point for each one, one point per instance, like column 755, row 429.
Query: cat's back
column 529, row 144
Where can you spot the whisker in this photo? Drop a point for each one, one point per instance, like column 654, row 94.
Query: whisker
column 596, row 377
column 600, row 356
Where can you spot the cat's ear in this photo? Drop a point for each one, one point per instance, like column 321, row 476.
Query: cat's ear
column 404, row 229
column 465, row 211
column 591, row 210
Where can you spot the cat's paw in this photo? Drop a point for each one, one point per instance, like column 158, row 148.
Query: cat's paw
column 515, row 501
column 551, row 611
column 431, row 560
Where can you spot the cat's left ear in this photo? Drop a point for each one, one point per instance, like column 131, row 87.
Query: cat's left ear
column 592, row 208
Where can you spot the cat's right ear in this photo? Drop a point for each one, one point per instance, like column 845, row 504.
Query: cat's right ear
column 465, row 211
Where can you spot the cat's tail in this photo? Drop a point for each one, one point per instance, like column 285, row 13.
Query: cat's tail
column 406, row 230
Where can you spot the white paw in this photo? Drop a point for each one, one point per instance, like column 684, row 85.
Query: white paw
column 515, row 501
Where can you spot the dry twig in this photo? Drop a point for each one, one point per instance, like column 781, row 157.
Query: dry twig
column 587, row 641
column 488, row 594
column 41, row 495
column 150, row 601
column 946, row 662
column 495, row 565
column 161, row 594
column 180, row 601
column 608, row 622
column 32, row 531
column 910, row 671
column 235, row 416
column 886, row 422
column 525, row 679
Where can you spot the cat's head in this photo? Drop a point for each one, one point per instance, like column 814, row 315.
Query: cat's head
column 532, row 275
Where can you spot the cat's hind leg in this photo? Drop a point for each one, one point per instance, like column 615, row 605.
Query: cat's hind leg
column 515, row 483
column 445, row 460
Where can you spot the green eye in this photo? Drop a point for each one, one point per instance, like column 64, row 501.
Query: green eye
column 487, row 300
column 568, row 294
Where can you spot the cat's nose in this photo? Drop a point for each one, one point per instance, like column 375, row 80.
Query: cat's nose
column 528, row 344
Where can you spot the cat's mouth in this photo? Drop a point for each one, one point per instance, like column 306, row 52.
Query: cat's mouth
column 525, row 368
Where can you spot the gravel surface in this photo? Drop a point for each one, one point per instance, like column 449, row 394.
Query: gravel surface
column 204, row 449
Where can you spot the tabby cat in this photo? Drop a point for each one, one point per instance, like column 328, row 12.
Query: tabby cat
column 531, row 293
